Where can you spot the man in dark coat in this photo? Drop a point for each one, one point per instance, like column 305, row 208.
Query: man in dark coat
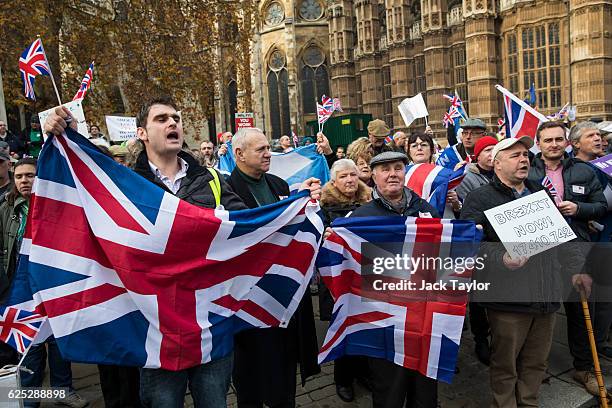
column 524, row 292
column 265, row 360
column 394, row 386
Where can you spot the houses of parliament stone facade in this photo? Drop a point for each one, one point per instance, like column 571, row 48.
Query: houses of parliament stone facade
column 373, row 53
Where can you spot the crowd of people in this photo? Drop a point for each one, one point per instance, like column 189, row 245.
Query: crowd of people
column 367, row 179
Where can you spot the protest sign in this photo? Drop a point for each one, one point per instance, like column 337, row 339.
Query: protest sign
column 76, row 109
column 529, row 225
column 604, row 164
column 121, row 128
column 244, row 120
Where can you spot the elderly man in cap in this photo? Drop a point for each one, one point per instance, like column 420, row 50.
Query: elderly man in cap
column 377, row 132
column 524, row 292
column 119, row 153
column 393, row 385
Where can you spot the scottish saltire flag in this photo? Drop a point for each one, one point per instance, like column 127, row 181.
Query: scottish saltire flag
column 294, row 167
column 299, row 165
column 33, row 62
column 85, row 83
column 521, row 119
column 450, row 157
column 422, row 335
column 129, row 274
column 548, row 184
column 227, row 161
column 432, row 182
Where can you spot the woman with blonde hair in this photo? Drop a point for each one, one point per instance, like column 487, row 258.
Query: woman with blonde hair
column 360, row 152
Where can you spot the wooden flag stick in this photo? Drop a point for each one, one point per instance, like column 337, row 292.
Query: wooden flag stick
column 587, row 319
column 50, row 72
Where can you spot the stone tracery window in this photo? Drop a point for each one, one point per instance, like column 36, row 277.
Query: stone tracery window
column 314, row 78
column 278, row 94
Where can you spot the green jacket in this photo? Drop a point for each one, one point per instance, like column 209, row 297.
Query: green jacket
column 9, row 225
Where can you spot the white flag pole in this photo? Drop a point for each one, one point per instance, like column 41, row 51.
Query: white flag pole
column 50, row 71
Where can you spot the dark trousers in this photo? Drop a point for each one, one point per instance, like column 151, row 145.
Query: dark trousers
column 8, row 355
column 398, row 387
column 577, row 337
column 349, row 368
column 479, row 324
column 603, row 320
column 60, row 371
column 120, row 386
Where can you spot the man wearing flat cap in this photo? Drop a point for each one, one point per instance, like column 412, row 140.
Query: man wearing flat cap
column 392, row 384
column 377, row 132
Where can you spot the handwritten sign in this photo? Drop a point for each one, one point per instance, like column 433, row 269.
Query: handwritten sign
column 529, row 225
column 76, row 110
column 121, row 128
column 604, row 164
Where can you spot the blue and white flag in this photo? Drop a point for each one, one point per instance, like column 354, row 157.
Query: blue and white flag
column 294, row 167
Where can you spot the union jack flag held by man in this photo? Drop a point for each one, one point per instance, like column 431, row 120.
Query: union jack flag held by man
column 422, row 334
column 85, row 83
column 548, row 184
column 33, row 62
column 432, row 182
column 129, row 274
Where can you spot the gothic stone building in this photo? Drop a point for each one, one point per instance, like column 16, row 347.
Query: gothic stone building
column 373, row 53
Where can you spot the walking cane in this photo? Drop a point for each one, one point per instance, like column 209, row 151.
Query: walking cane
column 587, row 319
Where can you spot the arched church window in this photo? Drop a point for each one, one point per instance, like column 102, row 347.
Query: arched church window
column 278, row 94
column 314, row 78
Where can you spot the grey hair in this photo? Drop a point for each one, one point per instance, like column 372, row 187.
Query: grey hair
column 340, row 165
column 577, row 130
column 240, row 138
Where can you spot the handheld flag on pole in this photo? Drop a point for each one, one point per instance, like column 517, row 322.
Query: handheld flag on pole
column 33, row 62
column 85, row 83
column 521, row 119
column 413, row 108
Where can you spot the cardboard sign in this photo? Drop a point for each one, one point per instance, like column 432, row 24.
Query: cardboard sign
column 76, row 109
column 244, row 120
column 529, row 225
column 604, row 164
column 121, row 128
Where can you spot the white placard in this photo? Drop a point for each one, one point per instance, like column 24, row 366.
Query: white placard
column 413, row 108
column 76, row 110
column 121, row 128
column 529, row 225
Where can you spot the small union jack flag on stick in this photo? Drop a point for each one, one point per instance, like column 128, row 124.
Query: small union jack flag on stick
column 548, row 184
column 33, row 62
column 18, row 328
column 85, row 83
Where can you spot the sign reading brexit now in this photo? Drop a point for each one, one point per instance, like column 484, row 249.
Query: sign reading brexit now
column 529, row 225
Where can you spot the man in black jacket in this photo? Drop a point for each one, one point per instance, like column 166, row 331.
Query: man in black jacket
column 579, row 197
column 160, row 133
column 527, row 290
column 15, row 143
column 265, row 360
column 394, row 386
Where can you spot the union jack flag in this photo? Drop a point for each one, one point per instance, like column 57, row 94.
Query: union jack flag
column 18, row 327
column 419, row 334
column 388, row 139
column 327, row 103
column 295, row 138
column 33, row 62
column 548, row 184
column 323, row 113
column 337, row 105
column 454, row 100
column 85, row 83
column 136, row 276
column 521, row 119
column 450, row 116
column 432, row 182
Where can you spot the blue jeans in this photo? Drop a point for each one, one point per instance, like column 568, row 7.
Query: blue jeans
column 208, row 384
column 60, row 372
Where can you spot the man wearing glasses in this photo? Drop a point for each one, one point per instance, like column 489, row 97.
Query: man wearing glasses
column 472, row 131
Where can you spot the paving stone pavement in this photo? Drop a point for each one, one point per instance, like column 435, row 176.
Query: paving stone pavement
column 470, row 388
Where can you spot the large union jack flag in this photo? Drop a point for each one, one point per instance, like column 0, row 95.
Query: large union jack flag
column 33, row 62
column 85, row 83
column 129, row 274
column 432, row 182
column 421, row 334
column 520, row 118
